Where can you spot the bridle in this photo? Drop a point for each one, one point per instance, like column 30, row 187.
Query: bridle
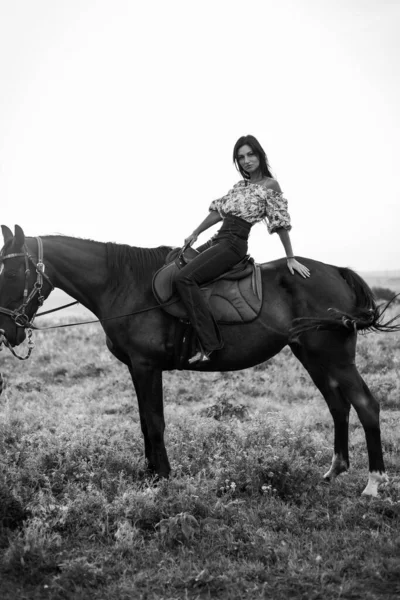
column 19, row 315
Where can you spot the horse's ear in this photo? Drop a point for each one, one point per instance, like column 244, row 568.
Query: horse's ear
column 19, row 236
column 7, row 233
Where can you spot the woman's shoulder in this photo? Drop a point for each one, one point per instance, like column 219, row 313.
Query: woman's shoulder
column 272, row 184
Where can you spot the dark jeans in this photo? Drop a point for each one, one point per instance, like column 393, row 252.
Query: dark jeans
column 216, row 257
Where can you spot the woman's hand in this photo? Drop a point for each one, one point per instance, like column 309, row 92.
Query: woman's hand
column 294, row 265
column 191, row 239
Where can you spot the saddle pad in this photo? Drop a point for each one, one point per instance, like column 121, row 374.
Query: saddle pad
column 237, row 301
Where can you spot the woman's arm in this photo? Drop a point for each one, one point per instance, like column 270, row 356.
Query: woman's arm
column 292, row 263
column 211, row 219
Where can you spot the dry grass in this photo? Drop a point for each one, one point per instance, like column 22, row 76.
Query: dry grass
column 245, row 515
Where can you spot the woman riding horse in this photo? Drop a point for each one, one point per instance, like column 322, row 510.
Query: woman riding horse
column 255, row 198
column 318, row 318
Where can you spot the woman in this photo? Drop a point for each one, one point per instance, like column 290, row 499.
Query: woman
column 255, row 198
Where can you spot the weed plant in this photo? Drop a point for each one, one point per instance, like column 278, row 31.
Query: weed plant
column 246, row 513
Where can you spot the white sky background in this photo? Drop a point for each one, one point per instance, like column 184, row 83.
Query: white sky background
column 118, row 119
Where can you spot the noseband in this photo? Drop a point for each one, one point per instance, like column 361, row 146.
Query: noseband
column 18, row 315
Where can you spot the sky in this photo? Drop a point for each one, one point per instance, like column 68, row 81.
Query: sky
column 118, row 119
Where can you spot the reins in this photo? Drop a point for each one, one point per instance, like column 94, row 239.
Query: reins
column 31, row 327
column 136, row 312
column 47, row 312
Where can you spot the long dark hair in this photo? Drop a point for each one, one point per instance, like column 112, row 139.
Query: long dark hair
column 250, row 140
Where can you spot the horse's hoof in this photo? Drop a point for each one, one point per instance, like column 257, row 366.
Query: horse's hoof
column 142, row 473
column 338, row 466
column 330, row 475
column 375, row 479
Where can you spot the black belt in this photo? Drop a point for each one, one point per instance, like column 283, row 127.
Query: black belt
column 236, row 226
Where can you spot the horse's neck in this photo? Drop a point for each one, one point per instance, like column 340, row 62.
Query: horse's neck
column 99, row 277
column 78, row 267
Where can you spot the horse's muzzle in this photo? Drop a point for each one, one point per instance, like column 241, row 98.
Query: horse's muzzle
column 14, row 339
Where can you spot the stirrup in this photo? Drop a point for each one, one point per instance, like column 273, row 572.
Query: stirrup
column 199, row 357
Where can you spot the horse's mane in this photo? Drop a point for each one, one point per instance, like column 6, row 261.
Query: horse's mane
column 141, row 261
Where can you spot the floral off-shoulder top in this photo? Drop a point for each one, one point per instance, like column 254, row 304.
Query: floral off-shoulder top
column 253, row 203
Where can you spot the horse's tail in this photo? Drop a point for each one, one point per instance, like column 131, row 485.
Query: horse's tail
column 367, row 315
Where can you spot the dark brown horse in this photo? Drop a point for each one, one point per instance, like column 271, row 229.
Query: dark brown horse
column 112, row 280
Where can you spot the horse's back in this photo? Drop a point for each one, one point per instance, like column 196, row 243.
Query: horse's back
column 326, row 286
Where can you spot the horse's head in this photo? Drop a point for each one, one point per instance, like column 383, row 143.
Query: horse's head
column 21, row 282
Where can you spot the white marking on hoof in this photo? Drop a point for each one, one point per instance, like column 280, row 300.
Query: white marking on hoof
column 374, row 480
column 338, row 466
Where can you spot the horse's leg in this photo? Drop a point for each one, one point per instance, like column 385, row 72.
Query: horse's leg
column 148, row 385
column 143, row 425
column 339, row 408
column 342, row 386
column 367, row 406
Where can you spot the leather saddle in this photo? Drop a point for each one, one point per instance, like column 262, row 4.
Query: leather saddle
column 234, row 297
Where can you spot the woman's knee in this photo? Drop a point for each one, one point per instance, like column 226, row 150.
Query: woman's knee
column 183, row 278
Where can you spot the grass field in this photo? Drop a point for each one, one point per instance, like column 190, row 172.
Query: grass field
column 246, row 513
